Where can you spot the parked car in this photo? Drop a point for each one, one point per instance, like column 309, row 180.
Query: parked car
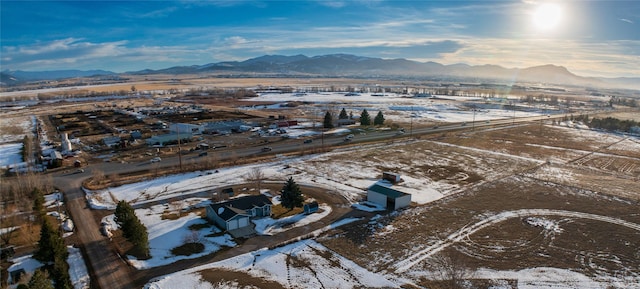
column 308, row 141
column 266, row 149
column 79, row 171
column 156, row 159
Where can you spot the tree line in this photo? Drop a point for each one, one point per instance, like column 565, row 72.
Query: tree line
column 608, row 123
column 365, row 118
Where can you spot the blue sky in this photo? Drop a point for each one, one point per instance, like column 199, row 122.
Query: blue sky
column 590, row 38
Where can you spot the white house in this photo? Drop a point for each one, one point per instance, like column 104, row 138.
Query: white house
column 388, row 197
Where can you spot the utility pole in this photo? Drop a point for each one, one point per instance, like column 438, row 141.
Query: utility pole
column 473, row 123
column 411, row 123
column 179, row 148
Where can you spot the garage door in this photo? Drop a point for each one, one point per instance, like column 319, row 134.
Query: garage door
column 233, row 224
column 243, row 222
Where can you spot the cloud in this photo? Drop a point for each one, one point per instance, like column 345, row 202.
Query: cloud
column 626, row 20
column 162, row 13
column 73, row 53
column 332, row 4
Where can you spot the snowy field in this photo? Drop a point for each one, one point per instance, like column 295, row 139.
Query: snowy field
column 396, row 107
column 15, row 128
column 306, row 263
column 309, row 263
column 10, row 154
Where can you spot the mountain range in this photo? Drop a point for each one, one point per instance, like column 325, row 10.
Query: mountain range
column 346, row 65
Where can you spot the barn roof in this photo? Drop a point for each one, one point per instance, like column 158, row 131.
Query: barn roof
column 389, row 192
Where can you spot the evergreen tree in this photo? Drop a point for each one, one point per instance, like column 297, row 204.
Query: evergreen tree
column 365, row 119
column 343, row 114
column 291, row 196
column 38, row 203
column 379, row 119
column 124, row 216
column 139, row 237
column 132, row 228
column 40, row 280
column 51, row 245
column 60, row 275
column 328, row 120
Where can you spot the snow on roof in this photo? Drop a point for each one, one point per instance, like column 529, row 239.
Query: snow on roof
column 390, row 192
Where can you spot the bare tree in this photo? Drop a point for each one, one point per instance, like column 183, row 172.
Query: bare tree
column 257, row 177
column 452, row 269
column 7, row 222
column 97, row 176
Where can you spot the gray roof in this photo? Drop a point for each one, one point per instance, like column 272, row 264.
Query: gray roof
column 389, row 192
column 239, row 206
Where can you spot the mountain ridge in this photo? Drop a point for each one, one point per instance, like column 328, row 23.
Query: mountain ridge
column 348, row 65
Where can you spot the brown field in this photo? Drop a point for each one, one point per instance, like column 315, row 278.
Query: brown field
column 592, row 247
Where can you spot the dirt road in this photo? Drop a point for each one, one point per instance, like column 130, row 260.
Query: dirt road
column 106, row 269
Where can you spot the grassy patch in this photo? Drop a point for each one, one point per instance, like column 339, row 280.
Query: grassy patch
column 166, row 215
column 278, row 211
column 197, row 227
column 187, row 249
column 220, row 277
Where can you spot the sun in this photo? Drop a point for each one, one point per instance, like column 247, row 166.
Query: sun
column 547, row 16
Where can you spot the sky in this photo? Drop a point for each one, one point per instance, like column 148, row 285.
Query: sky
column 590, row 38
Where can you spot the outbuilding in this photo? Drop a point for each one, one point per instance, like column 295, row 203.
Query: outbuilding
column 390, row 198
column 311, row 208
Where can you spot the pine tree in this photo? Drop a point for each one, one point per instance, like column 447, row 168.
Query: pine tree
column 343, row 114
column 139, row 237
column 365, row 119
column 379, row 119
column 132, row 228
column 328, row 120
column 51, row 245
column 124, row 215
column 38, row 203
column 291, row 196
column 40, row 280
column 60, row 275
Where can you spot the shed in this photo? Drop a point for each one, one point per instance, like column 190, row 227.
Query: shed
column 388, row 197
column 392, row 177
column 311, row 208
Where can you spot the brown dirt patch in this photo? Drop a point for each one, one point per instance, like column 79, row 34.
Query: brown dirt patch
column 219, row 277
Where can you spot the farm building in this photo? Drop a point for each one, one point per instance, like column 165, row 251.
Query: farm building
column 166, row 139
column 236, row 213
column 388, row 197
column 224, row 127
column 311, row 208
column 184, row 127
